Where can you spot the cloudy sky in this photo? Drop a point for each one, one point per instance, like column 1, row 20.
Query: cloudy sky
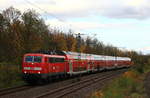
column 122, row 23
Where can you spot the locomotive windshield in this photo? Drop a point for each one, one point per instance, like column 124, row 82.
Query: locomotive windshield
column 37, row 59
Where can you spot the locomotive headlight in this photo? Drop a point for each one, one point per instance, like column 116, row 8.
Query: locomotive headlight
column 25, row 72
column 54, row 68
column 39, row 72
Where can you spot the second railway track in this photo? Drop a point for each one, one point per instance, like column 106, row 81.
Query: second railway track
column 14, row 89
column 66, row 90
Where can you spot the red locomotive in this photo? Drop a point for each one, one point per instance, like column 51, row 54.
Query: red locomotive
column 47, row 65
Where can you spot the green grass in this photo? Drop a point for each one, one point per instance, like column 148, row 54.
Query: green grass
column 10, row 76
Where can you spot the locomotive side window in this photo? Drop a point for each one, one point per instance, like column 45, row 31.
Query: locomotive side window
column 51, row 60
column 55, row 60
column 59, row 59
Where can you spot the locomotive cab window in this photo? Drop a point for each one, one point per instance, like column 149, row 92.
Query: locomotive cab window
column 28, row 58
column 37, row 59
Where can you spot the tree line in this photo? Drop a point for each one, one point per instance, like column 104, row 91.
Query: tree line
column 26, row 32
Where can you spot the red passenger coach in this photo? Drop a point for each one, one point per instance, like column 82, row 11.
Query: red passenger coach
column 46, row 65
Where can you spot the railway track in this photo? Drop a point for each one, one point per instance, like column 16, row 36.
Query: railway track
column 66, row 90
column 14, row 89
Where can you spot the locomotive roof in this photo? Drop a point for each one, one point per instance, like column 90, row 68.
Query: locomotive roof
column 75, row 55
column 40, row 54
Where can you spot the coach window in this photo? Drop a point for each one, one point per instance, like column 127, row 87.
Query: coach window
column 62, row 60
column 57, row 60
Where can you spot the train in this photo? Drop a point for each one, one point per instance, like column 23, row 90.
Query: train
column 47, row 65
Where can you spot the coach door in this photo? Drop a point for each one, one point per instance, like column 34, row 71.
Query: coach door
column 70, row 67
column 88, row 66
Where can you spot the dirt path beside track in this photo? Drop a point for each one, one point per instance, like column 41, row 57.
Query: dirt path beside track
column 147, row 85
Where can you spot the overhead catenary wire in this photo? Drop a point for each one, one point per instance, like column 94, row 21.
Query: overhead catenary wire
column 44, row 10
column 52, row 15
column 59, row 19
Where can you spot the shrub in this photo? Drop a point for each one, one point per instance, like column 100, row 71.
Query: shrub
column 10, row 75
column 139, row 68
column 128, row 85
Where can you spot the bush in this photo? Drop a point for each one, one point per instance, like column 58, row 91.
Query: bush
column 10, row 75
column 146, row 68
column 139, row 68
column 128, row 85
